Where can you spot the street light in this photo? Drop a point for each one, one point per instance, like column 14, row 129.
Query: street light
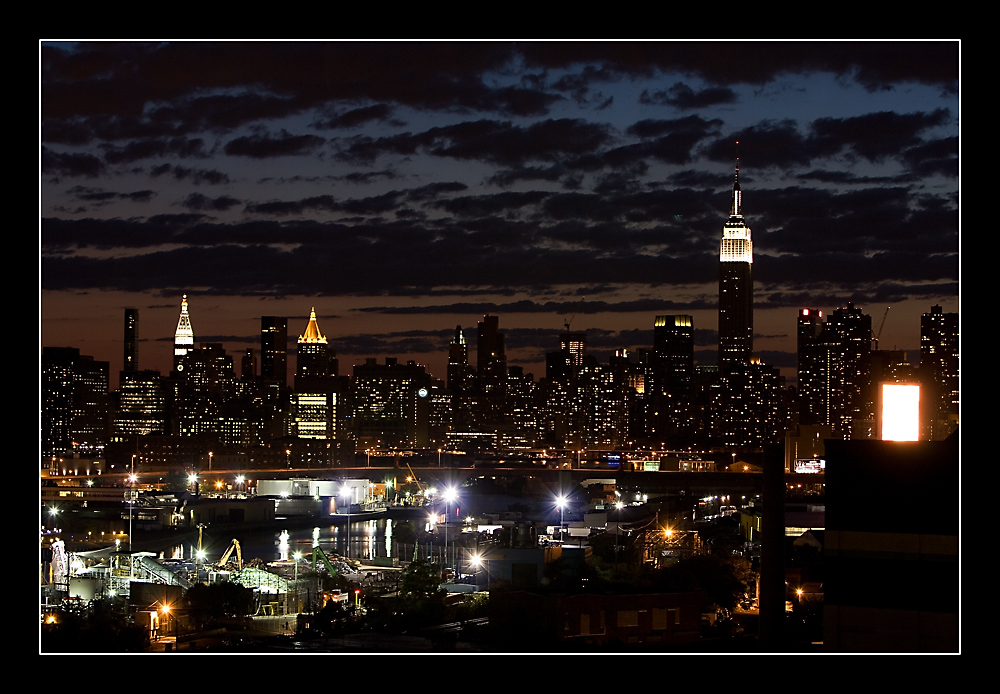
column 618, row 525
column 346, row 493
column 560, row 504
column 449, row 495
column 477, row 561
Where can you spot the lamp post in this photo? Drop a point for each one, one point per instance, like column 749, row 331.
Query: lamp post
column 131, row 503
column 346, row 493
column 560, row 504
column 618, row 523
column 477, row 561
column 449, row 496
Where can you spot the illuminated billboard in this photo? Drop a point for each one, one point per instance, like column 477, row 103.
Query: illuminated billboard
column 900, row 412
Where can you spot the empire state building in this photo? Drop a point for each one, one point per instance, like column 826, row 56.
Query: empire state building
column 735, row 285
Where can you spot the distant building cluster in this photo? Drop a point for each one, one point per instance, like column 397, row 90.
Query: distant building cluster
column 247, row 413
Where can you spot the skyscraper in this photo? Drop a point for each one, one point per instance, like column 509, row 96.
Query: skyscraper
column 834, row 370
column 816, row 357
column 939, row 370
column 673, row 354
column 576, row 345
column 312, row 358
column 130, row 361
column 74, row 395
column 855, row 410
column 183, row 336
column 735, row 285
column 459, row 371
column 274, row 349
column 491, row 357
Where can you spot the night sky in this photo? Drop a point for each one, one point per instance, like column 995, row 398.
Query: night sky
column 406, row 188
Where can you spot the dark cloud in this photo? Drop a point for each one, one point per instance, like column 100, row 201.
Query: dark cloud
column 195, row 176
column 154, row 148
column 199, row 202
column 874, row 64
column 70, row 165
column 99, row 195
column 873, row 136
column 488, row 140
column 356, row 117
column 683, row 97
column 936, row 157
column 263, row 146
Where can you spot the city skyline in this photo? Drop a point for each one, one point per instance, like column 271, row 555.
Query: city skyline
column 404, row 189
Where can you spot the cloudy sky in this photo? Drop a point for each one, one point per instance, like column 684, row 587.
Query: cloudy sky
column 406, row 188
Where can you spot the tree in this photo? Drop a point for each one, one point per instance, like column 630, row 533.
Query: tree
column 723, row 580
column 422, row 580
column 96, row 627
column 218, row 600
column 420, row 601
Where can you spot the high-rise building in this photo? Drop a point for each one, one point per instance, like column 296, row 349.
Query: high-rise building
column 855, row 410
column 746, row 408
column 670, row 370
column 183, row 336
column 315, row 399
column 74, row 402
column 575, row 344
column 274, row 349
column 459, row 371
column 141, row 406
column 673, row 354
column 939, row 370
column 391, row 405
column 834, row 370
column 491, row 357
column 816, row 358
column 130, row 361
column 735, row 285
column 248, row 365
column 312, row 359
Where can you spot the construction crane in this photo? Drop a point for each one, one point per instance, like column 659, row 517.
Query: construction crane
column 413, row 475
column 877, row 335
column 569, row 322
column 239, row 555
column 318, row 554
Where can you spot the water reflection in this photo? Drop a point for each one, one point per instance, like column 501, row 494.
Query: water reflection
column 365, row 540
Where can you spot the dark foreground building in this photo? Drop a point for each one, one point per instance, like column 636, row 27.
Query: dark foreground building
column 891, row 549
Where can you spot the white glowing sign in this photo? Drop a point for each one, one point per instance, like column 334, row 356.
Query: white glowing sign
column 900, row 412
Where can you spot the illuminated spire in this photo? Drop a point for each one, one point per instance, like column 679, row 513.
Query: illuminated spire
column 737, row 208
column 736, row 245
column 184, row 335
column 312, row 334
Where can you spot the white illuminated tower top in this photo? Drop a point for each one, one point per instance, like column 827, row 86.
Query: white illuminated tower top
column 184, row 335
column 736, row 245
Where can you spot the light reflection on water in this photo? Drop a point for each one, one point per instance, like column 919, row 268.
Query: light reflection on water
column 368, row 539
